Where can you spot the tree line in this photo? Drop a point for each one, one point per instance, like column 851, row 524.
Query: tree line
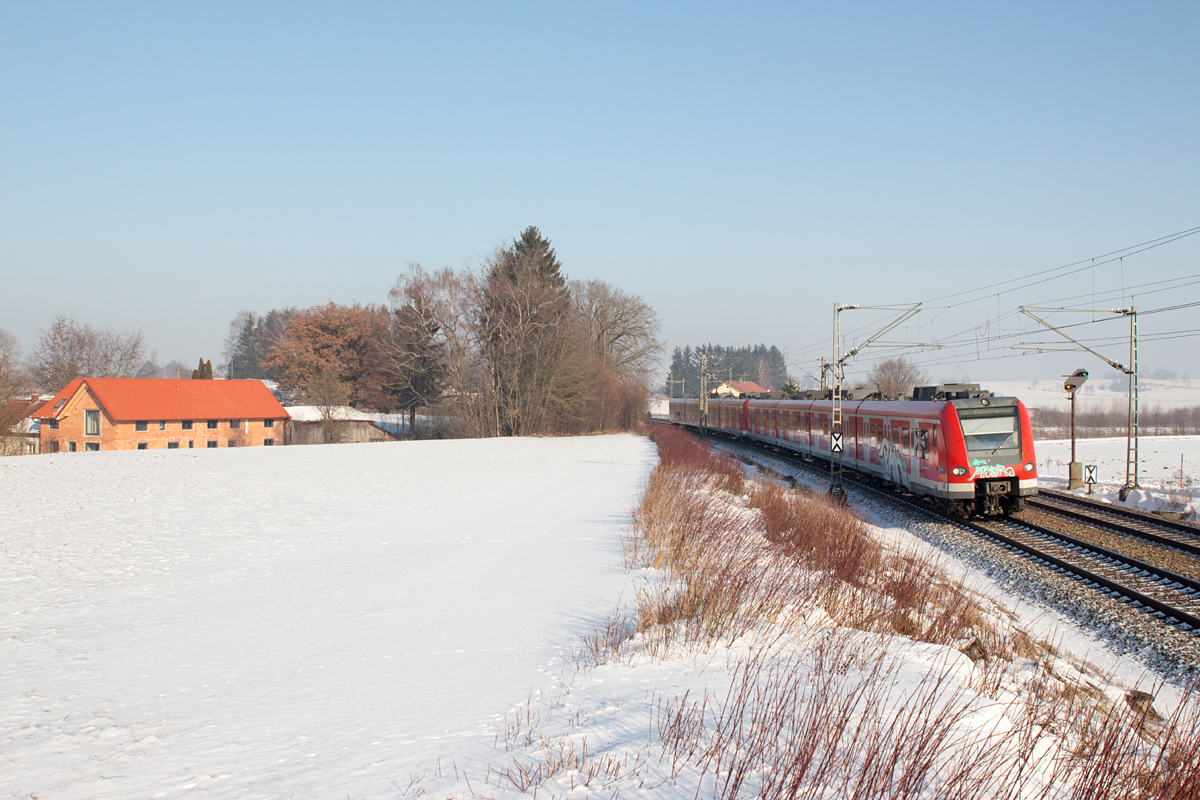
column 513, row 349
column 1113, row 420
column 764, row 365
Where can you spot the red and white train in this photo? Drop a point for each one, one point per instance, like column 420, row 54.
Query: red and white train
column 974, row 454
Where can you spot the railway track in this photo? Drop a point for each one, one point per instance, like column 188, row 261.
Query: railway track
column 1167, row 595
column 1136, row 519
column 1160, row 591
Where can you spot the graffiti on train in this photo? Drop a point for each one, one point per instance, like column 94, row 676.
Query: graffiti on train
column 895, row 465
column 985, row 470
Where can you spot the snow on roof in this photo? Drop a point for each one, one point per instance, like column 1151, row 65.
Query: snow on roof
column 313, row 414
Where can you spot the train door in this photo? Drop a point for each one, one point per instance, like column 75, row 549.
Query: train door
column 895, row 456
column 926, row 451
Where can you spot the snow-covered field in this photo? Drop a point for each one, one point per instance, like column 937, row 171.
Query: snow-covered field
column 294, row 622
column 1099, row 392
column 364, row 621
column 1160, row 459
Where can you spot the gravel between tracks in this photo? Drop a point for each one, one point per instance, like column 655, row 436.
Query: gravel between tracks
column 1127, row 630
column 1150, row 553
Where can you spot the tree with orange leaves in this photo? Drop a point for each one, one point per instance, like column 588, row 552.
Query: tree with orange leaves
column 332, row 340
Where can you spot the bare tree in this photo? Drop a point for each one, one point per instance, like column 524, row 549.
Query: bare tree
column 327, row 393
column 621, row 328
column 896, row 377
column 13, row 382
column 534, row 355
column 68, row 350
column 413, row 355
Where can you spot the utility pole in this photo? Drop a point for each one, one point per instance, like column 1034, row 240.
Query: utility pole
column 704, row 392
column 837, row 367
column 1131, row 435
column 836, row 489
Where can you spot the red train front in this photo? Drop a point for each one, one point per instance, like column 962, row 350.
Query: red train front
column 972, row 452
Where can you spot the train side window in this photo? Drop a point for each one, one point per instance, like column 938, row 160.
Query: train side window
column 924, row 444
column 905, row 445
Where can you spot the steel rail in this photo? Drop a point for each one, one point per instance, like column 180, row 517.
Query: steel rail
column 1127, row 592
column 1192, row 547
column 1121, row 511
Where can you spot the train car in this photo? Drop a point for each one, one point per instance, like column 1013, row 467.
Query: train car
column 972, row 454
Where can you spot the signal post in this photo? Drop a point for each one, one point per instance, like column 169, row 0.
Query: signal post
column 1074, row 469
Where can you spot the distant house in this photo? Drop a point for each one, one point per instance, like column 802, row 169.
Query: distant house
column 22, row 438
column 738, row 388
column 308, row 424
column 149, row 414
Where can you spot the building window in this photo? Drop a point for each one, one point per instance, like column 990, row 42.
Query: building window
column 187, row 424
column 191, row 443
column 162, row 425
column 52, row 446
column 268, row 442
column 141, row 445
column 268, row 423
column 172, row 445
column 235, row 423
column 91, row 446
column 53, row 424
column 91, row 423
column 139, row 426
column 231, row 443
column 212, row 424
column 211, row 443
column 70, row 447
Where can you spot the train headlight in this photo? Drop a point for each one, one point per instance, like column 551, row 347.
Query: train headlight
column 1029, row 466
column 959, row 471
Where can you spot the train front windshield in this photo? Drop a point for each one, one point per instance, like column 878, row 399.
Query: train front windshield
column 990, row 432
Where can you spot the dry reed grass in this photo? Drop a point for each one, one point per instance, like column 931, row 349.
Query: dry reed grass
column 826, row 719
column 824, row 711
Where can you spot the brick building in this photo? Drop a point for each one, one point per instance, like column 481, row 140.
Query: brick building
column 158, row 414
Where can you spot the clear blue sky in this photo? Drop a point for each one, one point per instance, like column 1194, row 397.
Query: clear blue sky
column 164, row 166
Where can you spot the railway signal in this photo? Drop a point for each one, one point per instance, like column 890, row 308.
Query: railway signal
column 1074, row 469
column 1089, row 476
column 1131, row 436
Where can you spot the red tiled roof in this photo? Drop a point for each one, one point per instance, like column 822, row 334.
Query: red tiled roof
column 22, row 408
column 132, row 399
column 745, row 387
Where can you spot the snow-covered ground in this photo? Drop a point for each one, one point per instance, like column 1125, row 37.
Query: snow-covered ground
column 299, row 622
column 363, row 621
column 1160, row 459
